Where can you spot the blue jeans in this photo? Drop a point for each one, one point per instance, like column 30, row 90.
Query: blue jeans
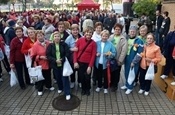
column 63, row 82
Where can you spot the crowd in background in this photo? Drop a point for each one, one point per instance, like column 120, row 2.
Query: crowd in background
column 91, row 41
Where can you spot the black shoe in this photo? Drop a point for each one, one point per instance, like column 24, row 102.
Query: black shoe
column 88, row 92
column 23, row 88
column 31, row 84
column 83, row 92
column 113, row 89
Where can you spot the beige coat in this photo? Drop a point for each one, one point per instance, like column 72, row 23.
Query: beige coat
column 121, row 48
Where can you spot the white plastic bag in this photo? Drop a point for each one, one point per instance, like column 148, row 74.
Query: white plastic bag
column 13, row 79
column 1, row 55
column 67, row 69
column 35, row 74
column 131, row 76
column 150, row 72
column 28, row 61
column 7, row 50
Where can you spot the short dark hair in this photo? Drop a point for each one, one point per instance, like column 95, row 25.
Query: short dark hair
column 98, row 24
column 166, row 13
column 18, row 28
column 118, row 25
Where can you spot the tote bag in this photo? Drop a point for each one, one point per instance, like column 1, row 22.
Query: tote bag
column 13, row 79
column 28, row 61
column 67, row 69
column 131, row 76
column 1, row 55
column 150, row 72
column 35, row 74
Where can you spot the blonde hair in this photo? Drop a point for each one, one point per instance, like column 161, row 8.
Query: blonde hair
column 144, row 27
column 39, row 32
column 56, row 32
column 105, row 32
column 74, row 26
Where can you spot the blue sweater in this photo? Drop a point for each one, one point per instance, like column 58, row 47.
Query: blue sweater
column 107, row 47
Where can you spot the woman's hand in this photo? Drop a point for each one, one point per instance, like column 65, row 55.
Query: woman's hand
column 59, row 61
column 76, row 65
column 98, row 54
column 43, row 57
column 148, row 59
column 12, row 66
column 132, row 65
column 74, row 49
column 88, row 70
column 173, row 57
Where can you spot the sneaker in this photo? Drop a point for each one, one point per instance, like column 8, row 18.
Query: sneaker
column 79, row 84
column 52, row 88
column 124, row 87
column 40, row 93
column 67, row 97
column 1, row 80
column 141, row 91
column 72, row 84
column 128, row 91
column 97, row 89
column 173, row 83
column 146, row 93
column 59, row 91
column 163, row 76
column 105, row 91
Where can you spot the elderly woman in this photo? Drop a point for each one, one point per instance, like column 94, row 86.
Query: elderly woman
column 21, row 24
column 56, row 54
column 151, row 53
column 48, row 28
column 84, row 59
column 105, row 51
column 121, row 45
column 71, row 41
column 135, row 46
column 38, row 53
column 17, row 60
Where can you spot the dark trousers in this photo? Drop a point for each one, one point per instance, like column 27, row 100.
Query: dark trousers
column 85, row 79
column 62, row 81
column 161, row 41
column 47, row 80
column 115, row 77
column 19, row 66
column 144, row 84
column 170, row 65
column 137, row 75
column 102, row 73
column 94, row 76
column 5, row 63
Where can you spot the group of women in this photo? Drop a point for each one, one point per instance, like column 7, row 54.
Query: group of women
column 91, row 52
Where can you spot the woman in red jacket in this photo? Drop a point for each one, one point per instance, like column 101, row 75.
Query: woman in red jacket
column 84, row 59
column 38, row 52
column 17, row 60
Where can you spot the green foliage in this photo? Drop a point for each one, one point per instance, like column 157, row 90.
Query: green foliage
column 145, row 6
column 4, row 1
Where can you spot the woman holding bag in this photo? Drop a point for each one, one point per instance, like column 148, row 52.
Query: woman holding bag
column 38, row 53
column 151, row 54
column 56, row 54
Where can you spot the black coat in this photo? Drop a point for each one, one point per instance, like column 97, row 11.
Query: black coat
column 165, row 27
column 51, row 53
column 159, row 21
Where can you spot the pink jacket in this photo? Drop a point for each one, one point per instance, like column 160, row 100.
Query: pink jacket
column 39, row 50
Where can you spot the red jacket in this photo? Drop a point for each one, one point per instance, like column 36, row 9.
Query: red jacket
column 2, row 44
column 88, row 55
column 28, row 43
column 15, row 50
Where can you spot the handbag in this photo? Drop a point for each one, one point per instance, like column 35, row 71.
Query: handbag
column 113, row 64
column 67, row 69
column 150, row 72
column 131, row 76
column 7, row 50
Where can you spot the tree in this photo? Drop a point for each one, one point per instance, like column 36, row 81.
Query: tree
column 4, row 1
column 147, row 7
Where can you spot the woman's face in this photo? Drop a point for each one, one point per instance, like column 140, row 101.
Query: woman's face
column 88, row 34
column 104, row 37
column 75, row 32
column 98, row 29
column 149, row 39
column 143, row 32
column 31, row 33
column 57, row 38
column 46, row 22
column 61, row 28
column 117, row 31
column 19, row 33
column 132, row 33
column 20, row 23
column 40, row 37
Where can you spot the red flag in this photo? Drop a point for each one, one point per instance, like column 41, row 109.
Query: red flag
column 108, row 73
